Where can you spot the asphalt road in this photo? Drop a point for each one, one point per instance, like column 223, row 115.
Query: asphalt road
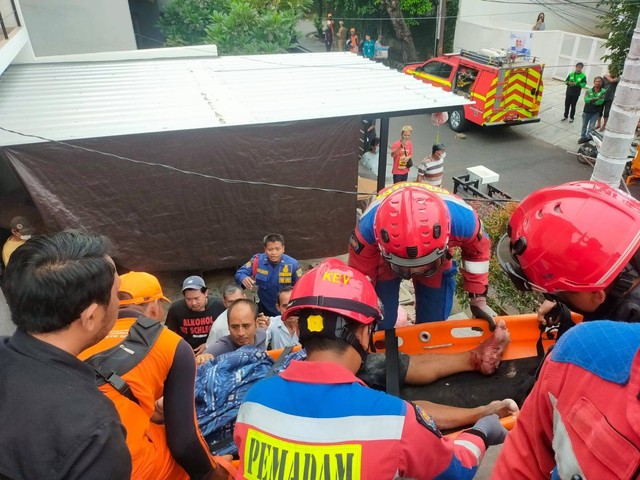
column 523, row 162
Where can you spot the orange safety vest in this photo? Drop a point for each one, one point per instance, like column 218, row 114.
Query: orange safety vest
column 147, row 441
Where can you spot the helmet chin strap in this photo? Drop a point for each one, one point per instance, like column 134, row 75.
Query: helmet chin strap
column 620, row 303
column 344, row 332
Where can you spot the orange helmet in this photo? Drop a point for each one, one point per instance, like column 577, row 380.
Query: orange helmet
column 412, row 228
column 573, row 237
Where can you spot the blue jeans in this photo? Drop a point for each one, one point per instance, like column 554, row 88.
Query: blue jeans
column 588, row 121
column 432, row 304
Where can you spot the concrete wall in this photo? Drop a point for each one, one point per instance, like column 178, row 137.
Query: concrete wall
column 58, row 27
column 572, row 18
column 558, row 50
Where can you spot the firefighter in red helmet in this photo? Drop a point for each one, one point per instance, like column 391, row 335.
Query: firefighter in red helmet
column 408, row 233
column 317, row 416
column 578, row 244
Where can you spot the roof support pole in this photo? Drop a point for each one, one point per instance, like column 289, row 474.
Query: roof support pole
column 382, row 152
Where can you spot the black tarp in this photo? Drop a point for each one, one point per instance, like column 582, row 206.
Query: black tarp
column 163, row 220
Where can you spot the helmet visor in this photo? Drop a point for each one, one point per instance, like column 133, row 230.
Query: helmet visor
column 427, row 270
column 512, row 267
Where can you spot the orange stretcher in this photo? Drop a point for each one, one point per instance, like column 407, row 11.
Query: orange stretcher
column 455, row 336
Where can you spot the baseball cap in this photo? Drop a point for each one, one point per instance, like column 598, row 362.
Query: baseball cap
column 438, row 146
column 143, row 287
column 23, row 225
column 193, row 282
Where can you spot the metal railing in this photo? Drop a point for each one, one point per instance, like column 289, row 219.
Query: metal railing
column 3, row 17
column 469, row 189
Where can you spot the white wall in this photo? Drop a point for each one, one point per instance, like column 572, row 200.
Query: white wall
column 9, row 50
column 569, row 17
column 559, row 51
column 58, row 27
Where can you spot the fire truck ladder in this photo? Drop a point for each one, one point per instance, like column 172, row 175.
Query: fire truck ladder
column 496, row 61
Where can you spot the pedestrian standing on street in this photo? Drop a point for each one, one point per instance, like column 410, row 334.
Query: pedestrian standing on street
column 353, row 42
column 593, row 99
column 610, row 83
column 342, row 37
column 369, row 158
column 401, row 152
column 368, row 47
column 328, row 33
column 575, row 82
column 431, row 170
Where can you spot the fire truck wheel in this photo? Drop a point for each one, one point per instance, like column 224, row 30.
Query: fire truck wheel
column 457, row 122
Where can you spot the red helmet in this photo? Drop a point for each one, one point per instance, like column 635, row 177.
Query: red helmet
column 412, row 228
column 574, row 237
column 337, row 288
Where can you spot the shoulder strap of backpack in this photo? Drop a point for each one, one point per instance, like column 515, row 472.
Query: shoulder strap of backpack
column 256, row 260
column 111, row 364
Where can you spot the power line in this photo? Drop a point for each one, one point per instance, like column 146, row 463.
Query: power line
column 221, row 179
column 186, row 172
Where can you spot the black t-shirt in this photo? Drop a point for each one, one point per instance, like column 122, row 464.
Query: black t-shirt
column 193, row 326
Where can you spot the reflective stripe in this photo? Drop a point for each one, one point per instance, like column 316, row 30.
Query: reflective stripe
column 321, row 430
column 475, row 267
column 567, row 463
column 472, row 447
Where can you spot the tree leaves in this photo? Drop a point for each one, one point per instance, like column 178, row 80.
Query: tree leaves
column 237, row 27
column 620, row 20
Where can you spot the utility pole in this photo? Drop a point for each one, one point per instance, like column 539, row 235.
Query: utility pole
column 442, row 15
column 623, row 119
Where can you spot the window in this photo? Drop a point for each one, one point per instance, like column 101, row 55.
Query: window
column 437, row 69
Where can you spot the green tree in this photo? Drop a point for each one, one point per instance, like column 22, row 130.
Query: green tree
column 620, row 19
column 237, row 27
column 184, row 22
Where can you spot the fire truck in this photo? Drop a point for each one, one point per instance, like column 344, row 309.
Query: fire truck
column 506, row 87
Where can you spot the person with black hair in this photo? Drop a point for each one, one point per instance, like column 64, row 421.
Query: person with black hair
column 192, row 316
column 269, row 271
column 62, row 292
column 575, row 82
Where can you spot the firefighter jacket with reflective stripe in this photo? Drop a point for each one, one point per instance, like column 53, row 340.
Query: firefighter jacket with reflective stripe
column 466, row 233
column 582, row 419
column 317, row 420
column 270, row 278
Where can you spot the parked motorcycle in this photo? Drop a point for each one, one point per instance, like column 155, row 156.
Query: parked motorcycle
column 588, row 152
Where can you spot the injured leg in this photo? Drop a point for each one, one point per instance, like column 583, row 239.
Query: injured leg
column 485, row 358
column 447, row 417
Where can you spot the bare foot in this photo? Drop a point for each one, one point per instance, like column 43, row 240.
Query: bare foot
column 503, row 408
column 602, row 128
column 486, row 356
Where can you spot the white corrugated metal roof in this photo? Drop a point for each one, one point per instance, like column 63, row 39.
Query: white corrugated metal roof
column 65, row 101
